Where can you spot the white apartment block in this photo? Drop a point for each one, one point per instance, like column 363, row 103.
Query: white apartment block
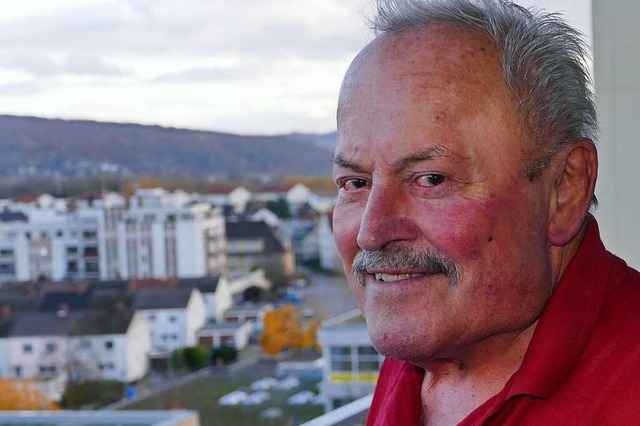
column 52, row 245
column 351, row 363
column 160, row 235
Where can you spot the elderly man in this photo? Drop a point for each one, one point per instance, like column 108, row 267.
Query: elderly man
column 466, row 170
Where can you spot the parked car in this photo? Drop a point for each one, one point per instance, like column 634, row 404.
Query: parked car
column 301, row 398
column 265, row 383
column 233, row 398
column 272, row 413
column 287, row 383
column 256, row 398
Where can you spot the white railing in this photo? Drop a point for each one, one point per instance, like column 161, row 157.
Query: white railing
column 343, row 413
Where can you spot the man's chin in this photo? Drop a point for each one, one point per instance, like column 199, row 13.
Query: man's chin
column 399, row 346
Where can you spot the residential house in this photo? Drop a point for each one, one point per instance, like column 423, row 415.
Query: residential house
column 89, row 344
column 104, row 200
column 234, row 334
column 110, row 344
column 253, row 312
column 252, row 245
column 330, row 259
column 216, row 293
column 174, row 315
column 38, row 343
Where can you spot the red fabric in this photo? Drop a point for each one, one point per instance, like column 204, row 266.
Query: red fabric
column 582, row 366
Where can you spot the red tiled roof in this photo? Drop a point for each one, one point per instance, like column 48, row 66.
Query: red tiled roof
column 26, row 198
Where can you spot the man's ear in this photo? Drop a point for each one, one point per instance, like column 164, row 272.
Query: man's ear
column 575, row 169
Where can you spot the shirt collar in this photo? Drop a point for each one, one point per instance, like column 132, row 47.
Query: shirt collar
column 567, row 321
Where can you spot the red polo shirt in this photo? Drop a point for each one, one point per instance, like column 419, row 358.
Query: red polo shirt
column 582, row 366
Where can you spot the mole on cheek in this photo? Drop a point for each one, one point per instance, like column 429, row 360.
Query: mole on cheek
column 490, row 239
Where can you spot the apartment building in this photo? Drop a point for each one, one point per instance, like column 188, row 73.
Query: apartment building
column 159, row 235
column 351, row 362
column 165, row 235
column 51, row 245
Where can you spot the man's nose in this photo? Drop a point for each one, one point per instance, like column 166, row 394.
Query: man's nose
column 386, row 219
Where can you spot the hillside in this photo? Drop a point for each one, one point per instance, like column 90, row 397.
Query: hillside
column 43, row 147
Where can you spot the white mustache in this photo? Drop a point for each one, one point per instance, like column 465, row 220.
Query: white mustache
column 404, row 259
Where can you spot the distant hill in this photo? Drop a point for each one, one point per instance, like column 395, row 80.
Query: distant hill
column 40, row 147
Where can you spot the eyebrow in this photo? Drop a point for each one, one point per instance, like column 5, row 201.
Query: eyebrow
column 340, row 161
column 437, row 151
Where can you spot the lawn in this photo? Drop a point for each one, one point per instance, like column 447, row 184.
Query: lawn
column 202, row 395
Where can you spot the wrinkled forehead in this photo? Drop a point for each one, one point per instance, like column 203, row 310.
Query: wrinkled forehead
column 452, row 64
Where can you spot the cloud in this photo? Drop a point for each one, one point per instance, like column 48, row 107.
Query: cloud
column 24, row 88
column 305, row 28
column 39, row 65
column 204, row 74
column 237, row 60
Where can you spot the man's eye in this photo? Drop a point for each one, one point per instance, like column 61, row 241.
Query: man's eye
column 354, row 184
column 431, row 179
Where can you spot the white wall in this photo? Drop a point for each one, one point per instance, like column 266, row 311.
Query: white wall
column 617, row 61
column 196, row 317
column 30, row 362
column 190, row 249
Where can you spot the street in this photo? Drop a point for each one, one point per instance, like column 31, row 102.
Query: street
column 328, row 295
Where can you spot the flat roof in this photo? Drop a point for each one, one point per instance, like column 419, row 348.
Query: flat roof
column 100, row 418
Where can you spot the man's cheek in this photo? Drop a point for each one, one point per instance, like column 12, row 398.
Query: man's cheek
column 466, row 230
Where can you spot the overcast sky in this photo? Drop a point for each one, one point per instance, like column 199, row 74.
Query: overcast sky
column 242, row 66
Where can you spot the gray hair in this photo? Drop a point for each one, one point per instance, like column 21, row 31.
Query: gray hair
column 543, row 63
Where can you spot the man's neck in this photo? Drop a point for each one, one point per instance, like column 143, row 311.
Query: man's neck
column 453, row 388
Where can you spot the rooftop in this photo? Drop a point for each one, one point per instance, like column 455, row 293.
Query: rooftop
column 162, row 298
column 100, row 418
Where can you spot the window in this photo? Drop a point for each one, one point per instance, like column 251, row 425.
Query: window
column 7, row 268
column 341, row 358
column 372, row 365
column 88, row 235
column 27, row 348
column 91, row 251
column 91, row 267
column 108, row 344
column 151, row 317
column 17, row 370
column 86, row 344
column 59, row 234
column 6, row 252
column 71, row 250
column 50, row 347
column 368, row 359
column 106, row 366
column 47, row 370
column 72, row 266
column 341, row 364
column 341, row 350
column 172, row 318
column 367, row 350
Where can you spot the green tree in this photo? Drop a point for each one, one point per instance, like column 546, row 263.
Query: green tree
column 92, row 394
column 195, row 357
column 280, row 207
